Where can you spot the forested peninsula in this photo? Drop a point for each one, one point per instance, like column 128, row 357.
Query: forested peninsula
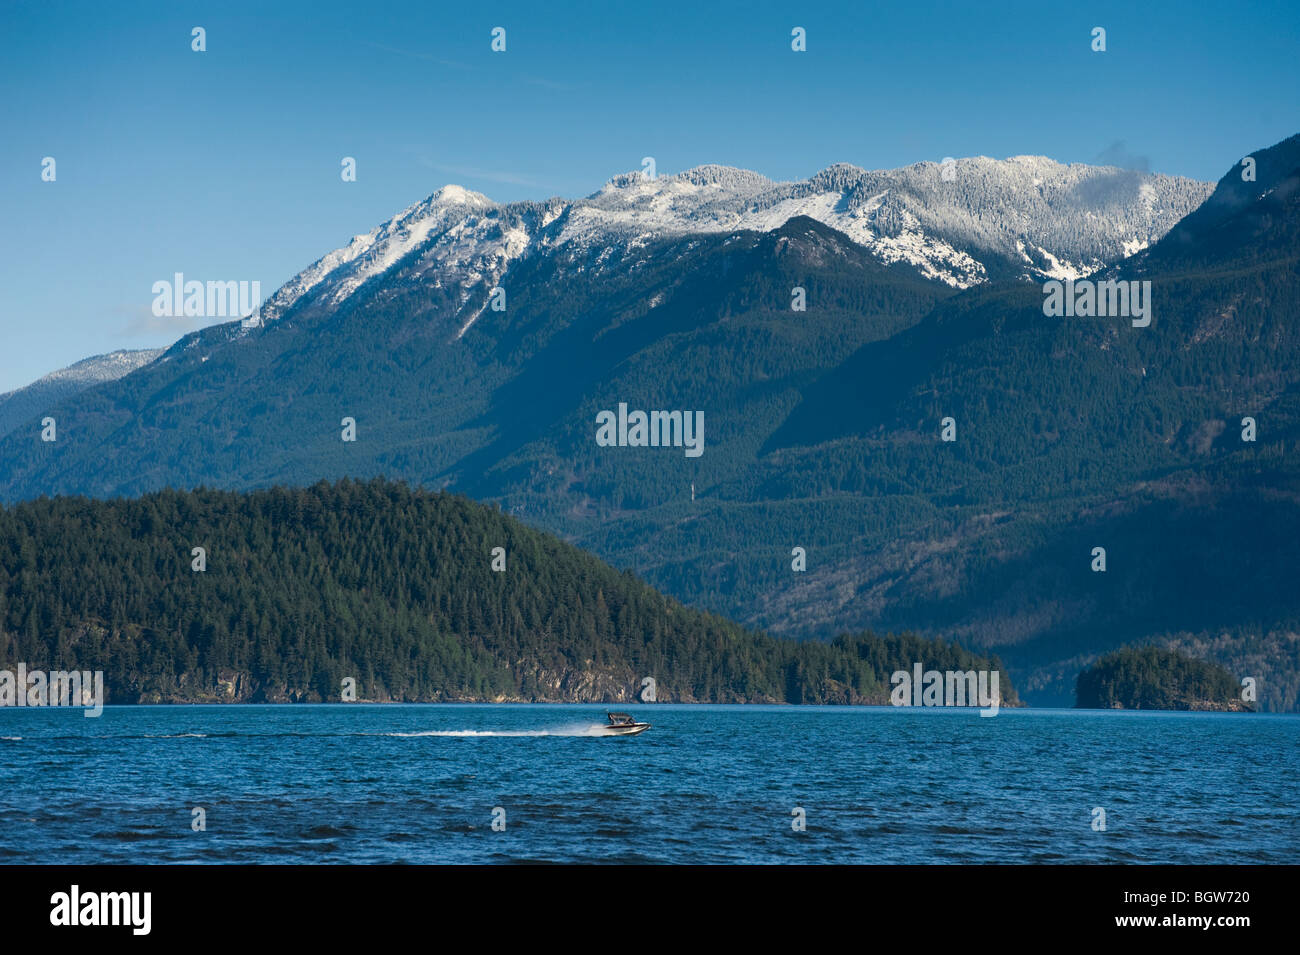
column 284, row 595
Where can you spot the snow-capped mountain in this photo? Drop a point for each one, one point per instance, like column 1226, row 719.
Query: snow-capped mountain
column 23, row 404
column 963, row 222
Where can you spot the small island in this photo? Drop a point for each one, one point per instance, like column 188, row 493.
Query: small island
column 1149, row 678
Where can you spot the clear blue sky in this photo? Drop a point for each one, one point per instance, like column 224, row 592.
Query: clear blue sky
column 225, row 164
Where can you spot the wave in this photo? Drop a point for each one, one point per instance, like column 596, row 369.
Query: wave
column 10, row 737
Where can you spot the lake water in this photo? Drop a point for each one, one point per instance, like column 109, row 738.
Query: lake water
column 360, row 783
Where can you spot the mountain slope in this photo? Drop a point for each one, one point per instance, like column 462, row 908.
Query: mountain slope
column 1246, row 221
column 27, row 404
column 255, row 407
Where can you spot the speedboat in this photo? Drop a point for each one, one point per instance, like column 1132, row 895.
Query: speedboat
column 622, row 724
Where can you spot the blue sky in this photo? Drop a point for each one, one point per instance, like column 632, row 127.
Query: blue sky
column 225, row 164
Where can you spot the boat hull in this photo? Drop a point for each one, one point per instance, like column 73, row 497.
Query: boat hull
column 631, row 730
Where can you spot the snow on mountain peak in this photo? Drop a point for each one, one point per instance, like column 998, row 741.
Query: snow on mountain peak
column 454, row 193
column 377, row 251
column 950, row 221
column 1034, row 162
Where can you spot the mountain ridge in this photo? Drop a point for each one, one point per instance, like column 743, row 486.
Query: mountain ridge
column 897, row 214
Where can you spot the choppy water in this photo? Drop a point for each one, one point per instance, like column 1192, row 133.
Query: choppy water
column 357, row 783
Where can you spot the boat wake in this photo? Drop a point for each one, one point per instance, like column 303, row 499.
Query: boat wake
column 582, row 729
